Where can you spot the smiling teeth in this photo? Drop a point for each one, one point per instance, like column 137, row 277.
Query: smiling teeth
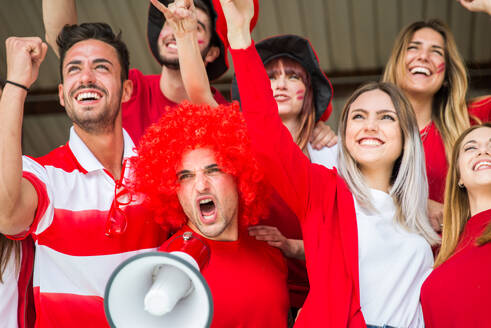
column 88, row 95
column 423, row 70
column 172, row 45
column 482, row 164
column 281, row 97
column 370, row 142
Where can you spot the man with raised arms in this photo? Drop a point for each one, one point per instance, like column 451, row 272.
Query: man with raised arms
column 73, row 201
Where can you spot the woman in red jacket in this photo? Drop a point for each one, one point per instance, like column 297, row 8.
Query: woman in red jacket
column 370, row 265
column 303, row 95
column 456, row 294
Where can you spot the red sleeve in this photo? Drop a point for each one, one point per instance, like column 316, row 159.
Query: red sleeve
column 43, row 202
column 287, row 168
column 136, row 78
column 481, row 109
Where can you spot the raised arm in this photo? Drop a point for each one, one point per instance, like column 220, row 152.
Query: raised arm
column 287, row 168
column 56, row 14
column 477, row 5
column 18, row 198
column 181, row 14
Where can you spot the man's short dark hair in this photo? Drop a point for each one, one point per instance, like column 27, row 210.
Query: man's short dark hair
column 71, row 34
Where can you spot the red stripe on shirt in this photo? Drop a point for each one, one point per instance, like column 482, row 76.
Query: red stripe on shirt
column 69, row 310
column 61, row 158
column 142, row 232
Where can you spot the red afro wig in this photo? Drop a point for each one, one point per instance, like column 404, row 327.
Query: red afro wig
column 221, row 129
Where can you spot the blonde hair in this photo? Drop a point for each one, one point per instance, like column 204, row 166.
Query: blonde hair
column 409, row 187
column 449, row 112
column 456, row 210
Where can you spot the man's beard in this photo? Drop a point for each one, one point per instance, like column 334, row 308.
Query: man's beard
column 174, row 63
column 100, row 124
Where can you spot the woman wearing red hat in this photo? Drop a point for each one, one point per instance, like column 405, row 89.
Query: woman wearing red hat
column 303, row 95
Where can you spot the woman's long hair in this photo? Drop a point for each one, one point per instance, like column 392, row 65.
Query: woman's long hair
column 409, row 187
column 306, row 118
column 456, row 210
column 8, row 248
column 449, row 111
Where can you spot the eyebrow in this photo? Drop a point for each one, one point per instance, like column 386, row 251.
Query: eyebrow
column 102, row 60
column 182, row 172
column 95, row 61
column 472, row 141
column 211, row 166
column 378, row 112
column 202, row 25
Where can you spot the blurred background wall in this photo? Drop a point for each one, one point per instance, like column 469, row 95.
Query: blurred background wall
column 353, row 39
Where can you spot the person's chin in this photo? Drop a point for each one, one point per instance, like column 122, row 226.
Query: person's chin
column 170, row 63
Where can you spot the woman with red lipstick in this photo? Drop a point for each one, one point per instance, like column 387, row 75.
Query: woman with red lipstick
column 456, row 294
column 427, row 66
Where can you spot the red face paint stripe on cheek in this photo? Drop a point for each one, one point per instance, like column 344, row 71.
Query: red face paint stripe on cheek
column 300, row 94
column 440, row 68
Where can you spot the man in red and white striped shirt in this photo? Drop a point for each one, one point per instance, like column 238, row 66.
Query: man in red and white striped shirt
column 73, row 201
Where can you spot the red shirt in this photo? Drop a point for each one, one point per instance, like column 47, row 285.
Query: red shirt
column 74, row 258
column 147, row 104
column 436, row 161
column 481, row 109
column 247, row 279
column 456, row 294
column 317, row 196
column 282, row 217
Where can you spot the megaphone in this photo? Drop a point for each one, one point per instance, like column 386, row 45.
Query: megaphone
column 160, row 289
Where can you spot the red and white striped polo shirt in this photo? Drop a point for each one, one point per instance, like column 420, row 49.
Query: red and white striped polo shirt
column 74, row 257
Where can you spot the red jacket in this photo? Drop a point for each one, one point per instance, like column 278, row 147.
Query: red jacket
column 317, row 195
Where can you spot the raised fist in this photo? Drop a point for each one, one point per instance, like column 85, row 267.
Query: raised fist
column 24, row 56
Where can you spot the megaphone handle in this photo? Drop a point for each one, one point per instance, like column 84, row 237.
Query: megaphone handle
column 169, row 286
column 189, row 243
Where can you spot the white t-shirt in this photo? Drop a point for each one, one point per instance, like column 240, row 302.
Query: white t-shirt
column 9, row 295
column 327, row 156
column 393, row 265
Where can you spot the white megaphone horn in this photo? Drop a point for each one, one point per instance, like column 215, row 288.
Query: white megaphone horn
column 160, row 289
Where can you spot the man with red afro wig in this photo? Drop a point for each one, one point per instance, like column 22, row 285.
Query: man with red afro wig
column 197, row 172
